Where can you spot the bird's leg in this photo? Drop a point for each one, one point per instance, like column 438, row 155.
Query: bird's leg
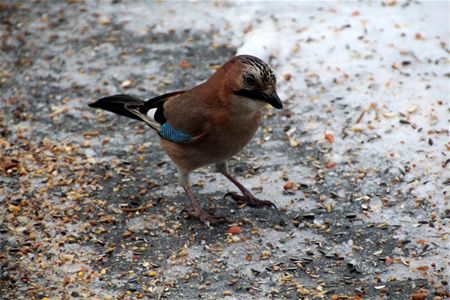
column 198, row 212
column 246, row 196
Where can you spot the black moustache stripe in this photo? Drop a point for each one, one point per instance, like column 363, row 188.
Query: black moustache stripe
column 252, row 94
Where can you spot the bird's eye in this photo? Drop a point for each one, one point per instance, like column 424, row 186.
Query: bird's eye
column 249, row 79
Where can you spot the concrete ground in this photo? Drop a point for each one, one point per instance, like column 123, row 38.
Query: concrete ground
column 357, row 162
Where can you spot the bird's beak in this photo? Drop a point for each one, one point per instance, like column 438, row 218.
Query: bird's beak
column 273, row 100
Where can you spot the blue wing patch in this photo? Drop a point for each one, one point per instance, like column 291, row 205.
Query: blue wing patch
column 173, row 134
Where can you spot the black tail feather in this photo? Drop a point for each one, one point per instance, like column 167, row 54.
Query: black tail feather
column 119, row 103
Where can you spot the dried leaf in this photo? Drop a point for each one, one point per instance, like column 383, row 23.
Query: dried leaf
column 329, row 137
column 330, row 165
column 423, row 268
column 234, row 230
column 184, row 64
column 288, row 185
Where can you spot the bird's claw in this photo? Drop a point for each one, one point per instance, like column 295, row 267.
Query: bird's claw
column 250, row 200
column 207, row 218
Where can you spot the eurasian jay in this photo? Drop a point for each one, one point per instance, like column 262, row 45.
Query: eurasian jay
column 209, row 123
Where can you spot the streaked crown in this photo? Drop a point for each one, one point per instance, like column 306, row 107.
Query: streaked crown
column 258, row 67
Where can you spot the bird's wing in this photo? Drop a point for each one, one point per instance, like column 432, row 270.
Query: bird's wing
column 158, row 103
column 175, row 116
column 183, row 119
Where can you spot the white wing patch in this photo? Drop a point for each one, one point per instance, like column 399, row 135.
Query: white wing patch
column 149, row 121
column 151, row 113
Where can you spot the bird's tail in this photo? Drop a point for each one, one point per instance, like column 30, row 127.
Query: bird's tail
column 127, row 106
column 119, row 104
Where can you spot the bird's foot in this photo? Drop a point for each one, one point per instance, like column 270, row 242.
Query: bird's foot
column 250, row 200
column 207, row 218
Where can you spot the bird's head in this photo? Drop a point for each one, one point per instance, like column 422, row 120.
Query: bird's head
column 254, row 79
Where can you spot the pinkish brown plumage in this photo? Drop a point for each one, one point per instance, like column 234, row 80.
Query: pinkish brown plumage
column 209, row 123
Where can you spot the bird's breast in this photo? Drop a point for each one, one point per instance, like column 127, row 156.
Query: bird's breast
column 224, row 137
column 231, row 136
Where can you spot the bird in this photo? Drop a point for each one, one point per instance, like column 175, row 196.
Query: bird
column 208, row 123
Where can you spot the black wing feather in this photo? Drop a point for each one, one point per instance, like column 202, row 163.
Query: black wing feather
column 158, row 102
column 119, row 104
